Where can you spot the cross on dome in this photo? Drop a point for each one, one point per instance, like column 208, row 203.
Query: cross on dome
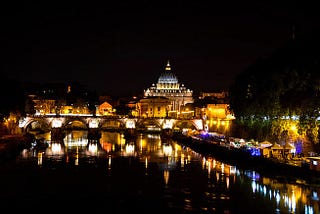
column 168, row 76
column 168, row 68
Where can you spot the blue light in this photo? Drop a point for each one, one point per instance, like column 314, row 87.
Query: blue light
column 254, row 152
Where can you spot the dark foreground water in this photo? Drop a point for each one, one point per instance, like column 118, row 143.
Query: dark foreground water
column 115, row 175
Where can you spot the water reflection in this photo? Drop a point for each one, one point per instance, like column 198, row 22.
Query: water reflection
column 185, row 180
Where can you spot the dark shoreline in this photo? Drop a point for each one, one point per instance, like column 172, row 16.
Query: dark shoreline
column 12, row 145
column 243, row 160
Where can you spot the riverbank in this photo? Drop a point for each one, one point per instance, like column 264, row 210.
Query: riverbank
column 12, row 145
column 242, row 159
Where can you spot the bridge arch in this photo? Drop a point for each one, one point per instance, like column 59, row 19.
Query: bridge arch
column 111, row 124
column 75, row 123
column 189, row 124
column 37, row 125
column 149, row 124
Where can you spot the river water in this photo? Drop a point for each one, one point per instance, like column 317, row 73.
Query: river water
column 144, row 175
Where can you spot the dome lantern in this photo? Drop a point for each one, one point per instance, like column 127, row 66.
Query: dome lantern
column 167, row 76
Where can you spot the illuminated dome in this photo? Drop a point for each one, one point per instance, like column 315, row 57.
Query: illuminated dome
column 169, row 87
column 167, row 76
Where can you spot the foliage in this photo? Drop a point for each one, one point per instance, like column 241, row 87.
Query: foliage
column 276, row 89
column 12, row 97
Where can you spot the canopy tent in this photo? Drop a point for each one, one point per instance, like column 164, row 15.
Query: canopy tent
column 276, row 146
column 265, row 144
column 288, row 146
column 277, row 150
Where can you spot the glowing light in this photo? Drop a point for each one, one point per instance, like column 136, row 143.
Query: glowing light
column 76, row 142
column 167, row 150
column 56, row 123
column 130, row 124
column 278, row 198
column 203, row 163
column 130, row 149
column 40, row 155
column 293, row 202
column 56, row 148
column 227, row 182
column 233, row 170
column 209, row 168
column 146, row 162
column 22, row 122
column 166, row 176
column 182, row 160
column 293, row 128
column 93, row 124
column 93, row 148
column 109, row 162
column 168, row 124
column 254, row 186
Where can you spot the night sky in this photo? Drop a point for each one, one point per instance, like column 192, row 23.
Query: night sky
column 121, row 48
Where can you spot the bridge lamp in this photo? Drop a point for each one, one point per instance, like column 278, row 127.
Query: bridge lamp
column 22, row 122
column 130, row 124
column 56, row 123
column 93, row 124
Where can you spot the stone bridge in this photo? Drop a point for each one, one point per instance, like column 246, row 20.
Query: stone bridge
column 47, row 123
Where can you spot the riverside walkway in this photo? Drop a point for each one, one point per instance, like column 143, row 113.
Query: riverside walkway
column 243, row 159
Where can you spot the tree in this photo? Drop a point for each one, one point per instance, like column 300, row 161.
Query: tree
column 285, row 85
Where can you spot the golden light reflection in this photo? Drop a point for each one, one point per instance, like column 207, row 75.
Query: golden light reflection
column 106, row 146
column 143, row 144
column 76, row 162
column 189, row 158
column 232, row 169
column 286, row 196
column 166, row 177
column 93, row 148
column 227, row 182
column 55, row 149
column 109, row 162
column 167, row 150
column 182, row 160
column 75, row 139
column 129, row 150
column 204, row 162
column 40, row 156
column 146, row 162
column 122, row 140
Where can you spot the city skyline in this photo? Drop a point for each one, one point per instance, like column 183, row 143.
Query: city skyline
column 121, row 49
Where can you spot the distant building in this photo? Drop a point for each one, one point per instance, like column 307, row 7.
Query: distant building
column 59, row 99
column 153, row 107
column 169, row 87
column 213, row 107
column 214, row 95
column 105, row 109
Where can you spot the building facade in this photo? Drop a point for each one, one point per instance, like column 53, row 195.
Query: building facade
column 153, row 107
column 169, row 87
column 213, row 107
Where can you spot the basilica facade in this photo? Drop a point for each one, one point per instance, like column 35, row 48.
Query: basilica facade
column 169, row 87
